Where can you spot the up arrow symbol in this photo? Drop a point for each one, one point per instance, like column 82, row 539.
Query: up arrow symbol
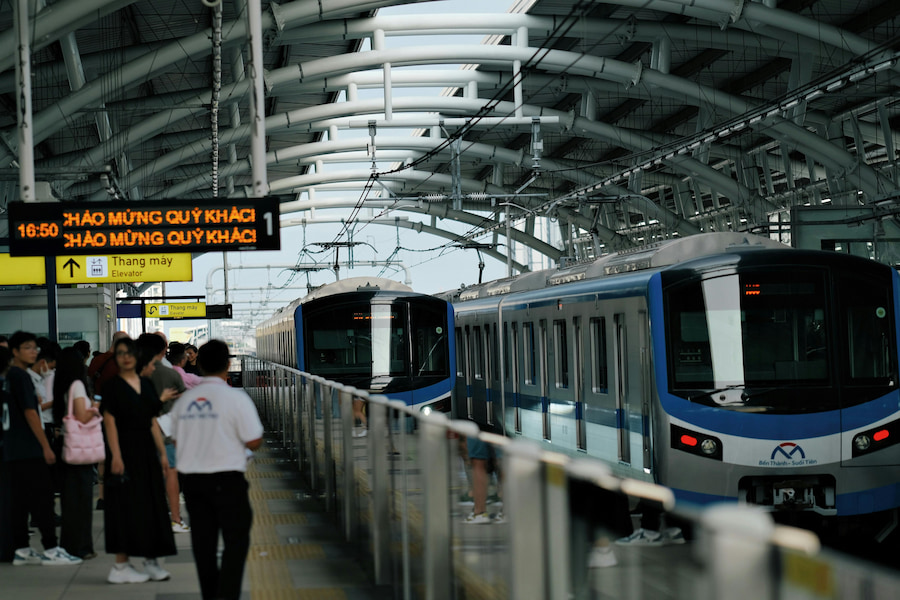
column 72, row 265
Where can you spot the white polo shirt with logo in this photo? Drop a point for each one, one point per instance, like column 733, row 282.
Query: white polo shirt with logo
column 211, row 424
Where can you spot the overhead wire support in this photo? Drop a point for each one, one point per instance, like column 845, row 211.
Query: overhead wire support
column 216, row 90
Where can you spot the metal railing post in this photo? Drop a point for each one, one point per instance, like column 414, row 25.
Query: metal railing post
column 349, row 515
column 524, row 506
column 381, row 516
column 328, row 452
column 436, row 484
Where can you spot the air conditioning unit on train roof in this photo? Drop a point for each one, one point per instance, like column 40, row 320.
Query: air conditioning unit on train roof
column 676, row 250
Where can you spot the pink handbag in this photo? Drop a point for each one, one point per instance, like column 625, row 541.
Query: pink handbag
column 83, row 442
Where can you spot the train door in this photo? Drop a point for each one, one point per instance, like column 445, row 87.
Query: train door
column 578, row 381
column 645, row 387
column 621, row 358
column 514, row 374
column 467, row 372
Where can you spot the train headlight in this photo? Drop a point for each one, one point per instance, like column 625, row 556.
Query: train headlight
column 862, row 442
column 709, row 447
column 696, row 443
column 876, row 439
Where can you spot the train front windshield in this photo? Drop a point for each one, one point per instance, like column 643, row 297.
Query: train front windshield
column 360, row 340
column 390, row 345
column 781, row 340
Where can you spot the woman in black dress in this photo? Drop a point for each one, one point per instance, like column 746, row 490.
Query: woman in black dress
column 136, row 516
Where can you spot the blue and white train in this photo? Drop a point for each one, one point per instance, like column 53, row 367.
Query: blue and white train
column 371, row 333
column 725, row 366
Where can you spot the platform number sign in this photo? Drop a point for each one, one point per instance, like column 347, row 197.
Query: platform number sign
column 96, row 228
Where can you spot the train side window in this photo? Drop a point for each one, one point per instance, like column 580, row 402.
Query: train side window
column 460, row 357
column 477, row 353
column 561, row 354
column 495, row 350
column 528, row 354
column 599, row 355
column 507, row 352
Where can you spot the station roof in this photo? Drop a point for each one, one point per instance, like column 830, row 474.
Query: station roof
column 622, row 121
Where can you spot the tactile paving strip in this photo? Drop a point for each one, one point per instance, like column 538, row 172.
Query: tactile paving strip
column 267, row 569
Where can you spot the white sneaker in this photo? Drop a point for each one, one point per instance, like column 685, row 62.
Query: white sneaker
column 26, row 556
column 58, row 557
column 479, row 519
column 499, row 517
column 126, row 574
column 359, row 432
column 641, row 537
column 602, row 557
column 180, row 527
column 156, row 572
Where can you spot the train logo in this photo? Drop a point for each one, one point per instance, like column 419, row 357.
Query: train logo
column 788, row 454
column 782, row 450
column 200, row 404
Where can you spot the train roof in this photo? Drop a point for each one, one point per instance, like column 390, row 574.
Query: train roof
column 355, row 284
column 351, row 284
column 653, row 256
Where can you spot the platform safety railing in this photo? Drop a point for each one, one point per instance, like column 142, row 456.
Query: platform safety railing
column 400, row 489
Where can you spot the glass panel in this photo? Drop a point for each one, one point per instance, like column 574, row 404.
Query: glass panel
column 599, row 369
column 529, row 355
column 870, row 339
column 363, row 341
column 429, row 334
column 562, row 354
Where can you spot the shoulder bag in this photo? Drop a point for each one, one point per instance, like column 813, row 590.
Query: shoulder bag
column 83, row 442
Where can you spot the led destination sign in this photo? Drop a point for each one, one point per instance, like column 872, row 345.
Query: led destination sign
column 63, row 228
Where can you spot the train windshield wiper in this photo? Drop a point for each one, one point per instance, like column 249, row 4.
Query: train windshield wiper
column 726, row 395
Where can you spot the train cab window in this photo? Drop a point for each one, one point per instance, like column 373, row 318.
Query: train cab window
column 429, row 334
column 599, row 368
column 760, row 332
column 364, row 342
column 868, row 319
column 477, row 353
column 561, row 347
column 529, row 354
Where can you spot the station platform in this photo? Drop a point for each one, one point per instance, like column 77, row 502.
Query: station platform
column 296, row 551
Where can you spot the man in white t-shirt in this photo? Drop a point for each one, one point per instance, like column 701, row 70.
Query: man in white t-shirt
column 213, row 425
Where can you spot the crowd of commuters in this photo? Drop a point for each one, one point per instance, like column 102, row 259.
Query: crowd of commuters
column 145, row 390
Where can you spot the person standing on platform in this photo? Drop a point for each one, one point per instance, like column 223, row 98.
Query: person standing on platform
column 164, row 377
column 77, row 480
column 28, row 454
column 136, row 518
column 190, row 366
column 103, row 367
column 178, row 358
column 7, row 549
column 213, row 425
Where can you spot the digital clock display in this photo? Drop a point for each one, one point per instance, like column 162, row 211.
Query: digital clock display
column 64, row 228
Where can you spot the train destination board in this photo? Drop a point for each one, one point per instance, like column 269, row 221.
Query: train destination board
column 120, row 227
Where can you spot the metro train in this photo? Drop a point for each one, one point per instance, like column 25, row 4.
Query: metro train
column 727, row 367
column 371, row 333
